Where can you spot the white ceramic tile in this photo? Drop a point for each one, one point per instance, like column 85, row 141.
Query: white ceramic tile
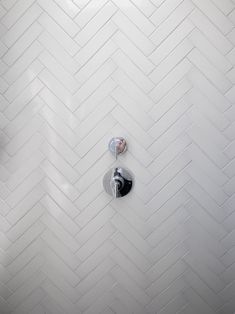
column 69, row 7
column 58, row 52
column 95, row 24
column 133, row 33
column 132, row 71
column 224, row 24
column 23, row 99
column 171, row 22
column 23, row 63
column 74, row 74
column 21, row 45
column 59, row 16
column 21, row 25
column 219, row 80
column 60, row 35
column 59, row 72
column 143, row 23
column 15, row 11
column 136, row 55
column 98, row 40
column 89, row 12
column 211, row 32
column 209, row 51
column 54, row 174
column 59, row 126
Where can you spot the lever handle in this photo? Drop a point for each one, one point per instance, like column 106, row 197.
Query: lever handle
column 118, row 182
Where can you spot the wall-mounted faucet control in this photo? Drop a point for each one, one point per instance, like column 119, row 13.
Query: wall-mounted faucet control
column 117, row 146
column 118, row 182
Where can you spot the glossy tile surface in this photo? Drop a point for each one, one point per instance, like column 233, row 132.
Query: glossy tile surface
column 73, row 74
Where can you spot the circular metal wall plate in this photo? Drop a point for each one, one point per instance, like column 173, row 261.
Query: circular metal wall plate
column 118, row 182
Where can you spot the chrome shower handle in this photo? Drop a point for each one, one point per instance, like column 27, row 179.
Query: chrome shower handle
column 117, row 146
column 118, row 182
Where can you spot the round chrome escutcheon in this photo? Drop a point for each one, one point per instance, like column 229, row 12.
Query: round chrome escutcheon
column 118, row 182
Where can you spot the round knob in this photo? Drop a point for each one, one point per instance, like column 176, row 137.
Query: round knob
column 117, row 146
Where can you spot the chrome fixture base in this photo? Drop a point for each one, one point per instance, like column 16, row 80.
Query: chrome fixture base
column 117, row 146
column 118, row 182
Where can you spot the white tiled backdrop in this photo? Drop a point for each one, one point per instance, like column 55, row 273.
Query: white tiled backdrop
column 75, row 73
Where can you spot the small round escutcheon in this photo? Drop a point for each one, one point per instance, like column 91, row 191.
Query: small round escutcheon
column 117, row 146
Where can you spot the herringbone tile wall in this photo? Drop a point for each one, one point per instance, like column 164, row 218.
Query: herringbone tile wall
column 75, row 73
